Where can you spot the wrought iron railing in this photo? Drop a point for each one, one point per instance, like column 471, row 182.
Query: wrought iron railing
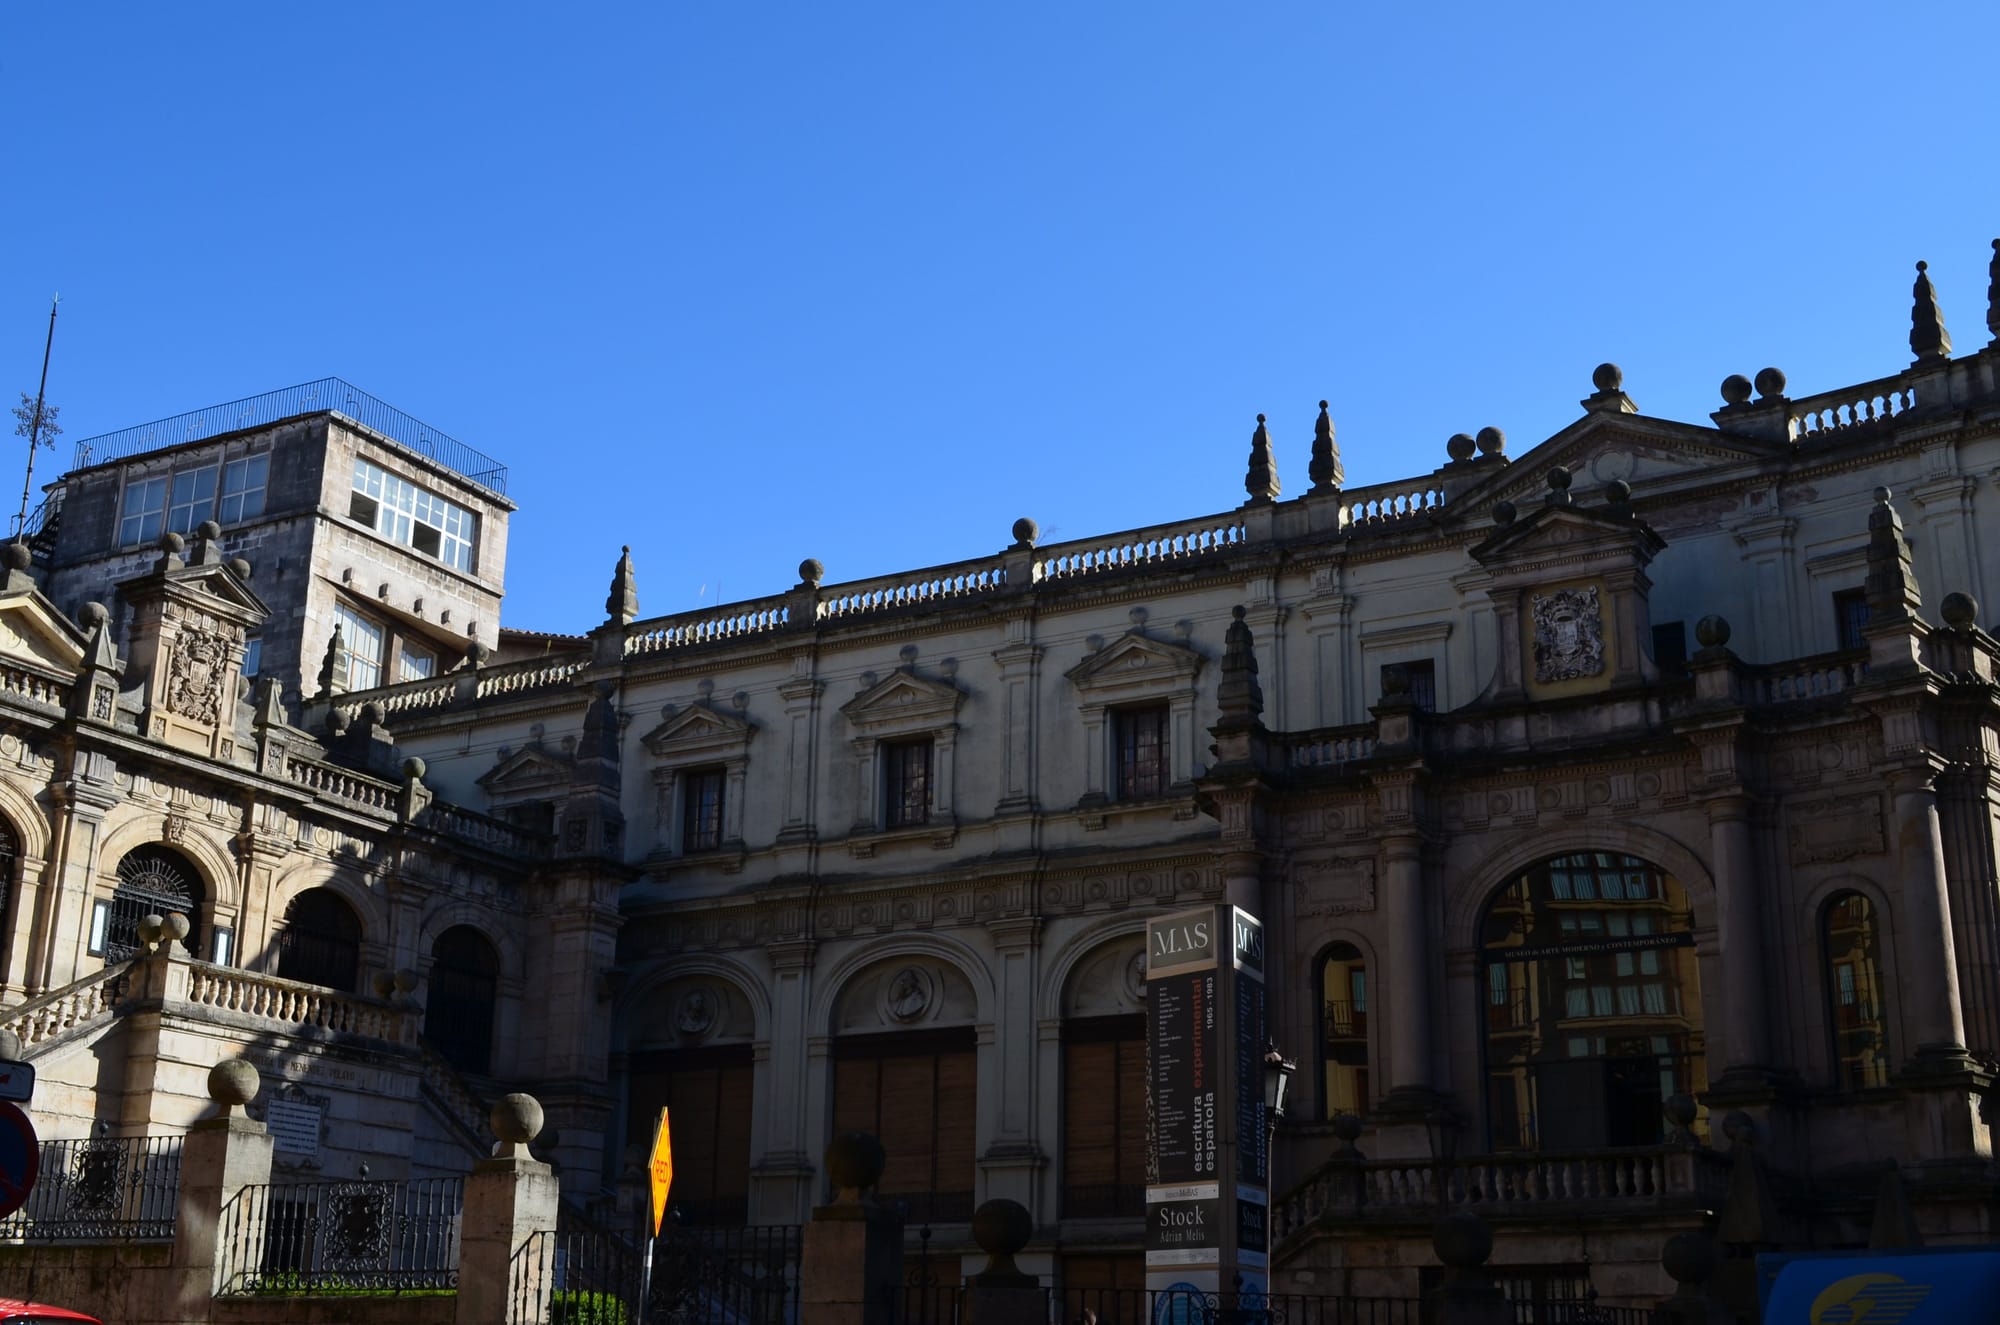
column 328, row 393
column 110, row 1188
column 392, row 1236
column 1140, row 1306
column 735, row 1276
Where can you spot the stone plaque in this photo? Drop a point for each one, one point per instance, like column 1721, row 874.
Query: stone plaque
column 294, row 1125
column 1836, row 828
column 1569, row 635
column 1341, row 885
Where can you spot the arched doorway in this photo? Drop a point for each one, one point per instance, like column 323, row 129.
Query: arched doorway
column 1592, row 1004
column 1343, row 979
column 152, row 880
column 465, row 982
column 320, row 943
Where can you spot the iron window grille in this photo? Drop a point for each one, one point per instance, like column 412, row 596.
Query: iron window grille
column 701, row 810
column 908, row 782
column 1143, row 765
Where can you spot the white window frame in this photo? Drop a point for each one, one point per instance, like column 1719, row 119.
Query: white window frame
column 355, row 627
column 245, row 480
column 142, row 524
column 414, row 662
column 415, row 517
column 191, row 496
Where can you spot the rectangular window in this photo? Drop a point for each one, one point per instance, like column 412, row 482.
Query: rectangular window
column 1850, row 616
column 1423, row 683
column 1141, row 736
column 360, row 649
column 243, row 483
column 1655, row 998
column 1104, row 1118
column 253, row 656
column 145, row 512
column 1600, row 1000
column 405, row 513
column 701, row 810
column 907, row 783
column 1576, row 1002
column 100, row 927
column 193, row 499
column 1670, row 647
column 1628, row 1001
column 224, row 947
column 1496, row 986
column 415, row 664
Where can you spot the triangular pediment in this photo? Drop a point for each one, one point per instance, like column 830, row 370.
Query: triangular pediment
column 212, row 588
column 33, row 632
column 698, row 729
column 904, row 696
column 1650, row 454
column 531, row 769
column 1568, row 532
column 1135, row 659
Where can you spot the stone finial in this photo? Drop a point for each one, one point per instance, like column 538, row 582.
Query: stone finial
column 1712, row 631
column 1735, row 389
column 233, row 1083
column 1462, row 1241
column 18, row 557
column 208, row 544
column 1559, row 481
column 516, row 1120
column 177, row 928
column 1961, row 610
column 329, row 663
column 1689, row 1258
column 1239, row 697
column 99, row 654
column 1892, row 583
column 1618, row 496
column 622, row 605
column 1491, row 441
column 1609, row 397
column 1993, row 293
column 171, row 547
column 1680, row 1111
column 1929, row 341
column 1460, row 446
column 1026, row 531
column 1325, row 472
column 1262, row 480
column 1347, row 1128
column 151, row 928
column 1002, row 1228
column 1503, row 512
column 811, row 572
column 854, row 1164
column 1770, row 384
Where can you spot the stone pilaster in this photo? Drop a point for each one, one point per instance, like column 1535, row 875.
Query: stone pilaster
column 782, row 1174
column 1011, row 1156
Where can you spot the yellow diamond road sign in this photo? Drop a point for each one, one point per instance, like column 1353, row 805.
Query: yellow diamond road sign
column 660, row 1168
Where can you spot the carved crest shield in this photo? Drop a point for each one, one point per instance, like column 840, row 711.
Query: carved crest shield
column 1569, row 635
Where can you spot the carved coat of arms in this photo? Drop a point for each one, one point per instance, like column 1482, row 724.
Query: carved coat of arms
column 194, row 683
column 1569, row 635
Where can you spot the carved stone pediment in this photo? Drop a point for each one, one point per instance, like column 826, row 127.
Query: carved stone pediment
column 32, row 632
column 1135, row 665
column 699, row 732
column 526, row 772
column 904, row 701
column 1562, row 536
column 1648, row 453
column 226, row 594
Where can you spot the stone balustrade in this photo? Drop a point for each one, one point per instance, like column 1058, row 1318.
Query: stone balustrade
column 1385, row 503
column 1816, row 677
column 71, row 1010
column 298, row 1008
column 1499, row 1186
column 759, row 616
column 1834, row 412
column 33, row 687
column 483, row 830
column 1156, row 546
column 342, row 784
column 1330, row 748
column 530, row 675
column 963, row 579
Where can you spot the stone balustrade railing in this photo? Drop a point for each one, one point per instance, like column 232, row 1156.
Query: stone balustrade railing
column 1807, row 678
column 1330, row 748
column 434, row 692
column 1850, row 407
column 33, row 687
column 343, row 784
column 297, row 1007
column 531, row 674
column 483, row 830
column 64, row 1012
column 1159, row 545
column 963, row 579
column 1385, row 503
column 756, row 617
column 1496, row 1186
column 448, row 1089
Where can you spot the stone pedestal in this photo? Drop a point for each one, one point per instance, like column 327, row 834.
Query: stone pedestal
column 850, row 1268
column 508, row 1200
column 219, row 1157
column 1001, row 1294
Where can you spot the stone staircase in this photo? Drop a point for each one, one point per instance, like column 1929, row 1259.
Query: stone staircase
column 66, row 1016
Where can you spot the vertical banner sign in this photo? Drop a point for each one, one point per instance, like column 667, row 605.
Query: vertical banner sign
column 1206, row 1170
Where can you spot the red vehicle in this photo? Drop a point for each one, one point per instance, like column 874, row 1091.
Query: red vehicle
column 13, row 1311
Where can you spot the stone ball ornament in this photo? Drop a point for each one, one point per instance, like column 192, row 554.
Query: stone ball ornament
column 855, row 1160
column 415, row 768
column 1002, row 1227
column 1712, row 631
column 1462, row 1241
column 1461, row 446
column 1735, row 389
column 516, row 1119
column 1618, row 492
column 1961, row 610
column 240, row 567
column 1492, row 441
column 233, row 1083
column 177, row 927
column 18, row 555
column 1026, row 531
column 1770, row 382
column 1503, row 512
column 93, row 615
column 1680, row 1110
column 1559, row 478
column 1607, row 377
column 812, row 571
column 172, row 543
column 150, row 928
column 1689, row 1258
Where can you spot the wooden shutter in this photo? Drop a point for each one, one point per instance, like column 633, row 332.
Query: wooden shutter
column 909, row 1114
column 857, row 1093
column 709, row 1092
column 1090, row 1114
column 1131, row 1129
column 957, row 1110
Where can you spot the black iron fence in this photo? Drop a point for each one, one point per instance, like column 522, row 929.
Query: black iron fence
column 391, row 1236
column 701, row 1276
column 1577, row 1312
column 1141, row 1306
column 111, row 1188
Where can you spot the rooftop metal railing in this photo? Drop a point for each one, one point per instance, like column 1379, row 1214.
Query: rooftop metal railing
column 328, row 393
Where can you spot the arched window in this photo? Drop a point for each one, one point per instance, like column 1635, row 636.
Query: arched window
column 1853, row 941
column 465, row 982
column 1343, row 989
column 320, row 943
column 1593, row 1004
column 10, row 851
column 152, row 880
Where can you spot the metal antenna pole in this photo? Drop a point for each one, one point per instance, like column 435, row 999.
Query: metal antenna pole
column 35, row 428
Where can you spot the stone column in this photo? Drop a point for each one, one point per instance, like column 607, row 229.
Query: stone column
column 851, row 1264
column 216, row 1234
column 1012, row 1154
column 1407, row 992
column 1929, row 974
column 1739, row 922
column 783, row 1170
column 505, row 1273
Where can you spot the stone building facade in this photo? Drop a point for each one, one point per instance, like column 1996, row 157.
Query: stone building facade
column 1620, row 813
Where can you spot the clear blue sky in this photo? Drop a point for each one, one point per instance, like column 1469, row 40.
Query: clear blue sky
column 742, row 283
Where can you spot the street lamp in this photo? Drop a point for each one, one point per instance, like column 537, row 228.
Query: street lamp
column 1278, row 1071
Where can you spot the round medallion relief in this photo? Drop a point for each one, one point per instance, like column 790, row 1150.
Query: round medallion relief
column 695, row 1017
column 907, row 994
